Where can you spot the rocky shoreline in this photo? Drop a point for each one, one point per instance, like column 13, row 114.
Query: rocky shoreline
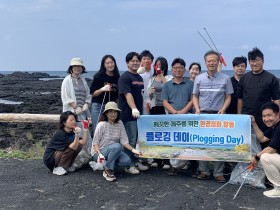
column 37, row 97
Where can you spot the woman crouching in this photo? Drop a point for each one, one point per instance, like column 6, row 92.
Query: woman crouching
column 109, row 137
column 65, row 145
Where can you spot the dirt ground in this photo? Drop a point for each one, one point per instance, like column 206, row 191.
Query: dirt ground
column 29, row 185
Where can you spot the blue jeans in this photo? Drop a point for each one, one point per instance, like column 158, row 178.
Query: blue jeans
column 132, row 134
column 114, row 156
column 95, row 110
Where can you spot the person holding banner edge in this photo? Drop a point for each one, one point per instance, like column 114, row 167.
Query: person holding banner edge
column 108, row 141
column 212, row 95
column 269, row 156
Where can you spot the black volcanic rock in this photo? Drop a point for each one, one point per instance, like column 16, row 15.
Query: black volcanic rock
column 37, row 97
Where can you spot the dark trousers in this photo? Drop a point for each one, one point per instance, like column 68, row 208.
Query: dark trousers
column 67, row 157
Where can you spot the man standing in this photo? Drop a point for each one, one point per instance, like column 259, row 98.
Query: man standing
column 177, row 94
column 131, row 103
column 146, row 73
column 239, row 66
column 212, row 95
column 256, row 88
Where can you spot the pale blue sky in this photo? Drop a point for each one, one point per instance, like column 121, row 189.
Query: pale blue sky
column 43, row 35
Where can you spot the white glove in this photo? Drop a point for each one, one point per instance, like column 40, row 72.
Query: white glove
column 141, row 70
column 100, row 158
column 85, row 107
column 78, row 110
column 135, row 113
column 135, row 151
column 77, row 131
column 106, row 88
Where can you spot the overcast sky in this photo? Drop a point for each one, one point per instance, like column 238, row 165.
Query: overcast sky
column 43, row 35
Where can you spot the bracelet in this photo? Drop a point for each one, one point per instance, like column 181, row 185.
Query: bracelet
column 257, row 157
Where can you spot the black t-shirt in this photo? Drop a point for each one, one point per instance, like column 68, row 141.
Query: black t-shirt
column 59, row 142
column 232, row 108
column 130, row 83
column 256, row 90
column 274, row 135
column 98, row 82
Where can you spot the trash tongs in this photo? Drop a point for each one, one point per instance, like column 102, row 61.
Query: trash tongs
column 249, row 168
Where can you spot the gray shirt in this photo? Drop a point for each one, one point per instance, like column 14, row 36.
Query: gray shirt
column 178, row 95
column 211, row 91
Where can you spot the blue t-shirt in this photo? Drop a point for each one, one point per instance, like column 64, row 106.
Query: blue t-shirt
column 130, row 83
column 178, row 95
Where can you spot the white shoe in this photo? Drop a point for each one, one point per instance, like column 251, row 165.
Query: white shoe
column 59, row 171
column 131, row 170
column 154, row 165
column 275, row 193
column 141, row 167
column 166, row 167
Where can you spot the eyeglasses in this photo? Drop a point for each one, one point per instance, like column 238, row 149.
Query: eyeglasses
column 178, row 68
column 257, row 60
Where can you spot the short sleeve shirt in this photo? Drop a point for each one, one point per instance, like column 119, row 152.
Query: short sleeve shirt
column 130, row 83
column 274, row 135
column 212, row 91
column 178, row 95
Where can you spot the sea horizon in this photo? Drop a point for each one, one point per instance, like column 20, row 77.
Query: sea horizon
column 90, row 74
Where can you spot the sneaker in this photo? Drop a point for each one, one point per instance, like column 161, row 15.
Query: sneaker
column 166, row 167
column 131, row 170
column 275, row 193
column 141, row 167
column 172, row 171
column 59, row 171
column 220, row 179
column 203, row 176
column 109, row 175
column 154, row 165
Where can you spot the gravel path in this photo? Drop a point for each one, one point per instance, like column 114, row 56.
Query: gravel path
column 29, row 185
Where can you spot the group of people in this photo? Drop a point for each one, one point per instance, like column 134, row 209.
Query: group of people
column 114, row 102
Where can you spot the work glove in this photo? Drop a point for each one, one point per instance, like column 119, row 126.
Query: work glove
column 100, row 158
column 73, row 105
column 106, row 88
column 135, row 113
column 77, row 131
column 78, row 110
column 135, row 151
column 85, row 125
column 141, row 70
column 85, row 107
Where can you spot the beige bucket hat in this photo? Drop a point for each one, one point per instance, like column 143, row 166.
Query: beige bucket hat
column 76, row 62
column 111, row 105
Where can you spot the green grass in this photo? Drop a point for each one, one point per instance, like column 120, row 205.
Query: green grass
column 33, row 153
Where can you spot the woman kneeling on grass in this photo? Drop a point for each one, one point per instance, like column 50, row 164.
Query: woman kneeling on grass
column 109, row 136
column 65, row 145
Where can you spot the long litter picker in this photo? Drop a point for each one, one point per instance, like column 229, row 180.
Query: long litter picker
column 249, row 169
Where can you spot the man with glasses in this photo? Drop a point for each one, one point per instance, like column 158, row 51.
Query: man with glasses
column 256, row 88
column 177, row 94
column 212, row 95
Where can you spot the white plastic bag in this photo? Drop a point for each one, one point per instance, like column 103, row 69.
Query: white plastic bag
column 255, row 178
column 178, row 164
column 96, row 165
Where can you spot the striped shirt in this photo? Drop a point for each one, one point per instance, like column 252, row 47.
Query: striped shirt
column 211, row 91
column 106, row 134
column 80, row 91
